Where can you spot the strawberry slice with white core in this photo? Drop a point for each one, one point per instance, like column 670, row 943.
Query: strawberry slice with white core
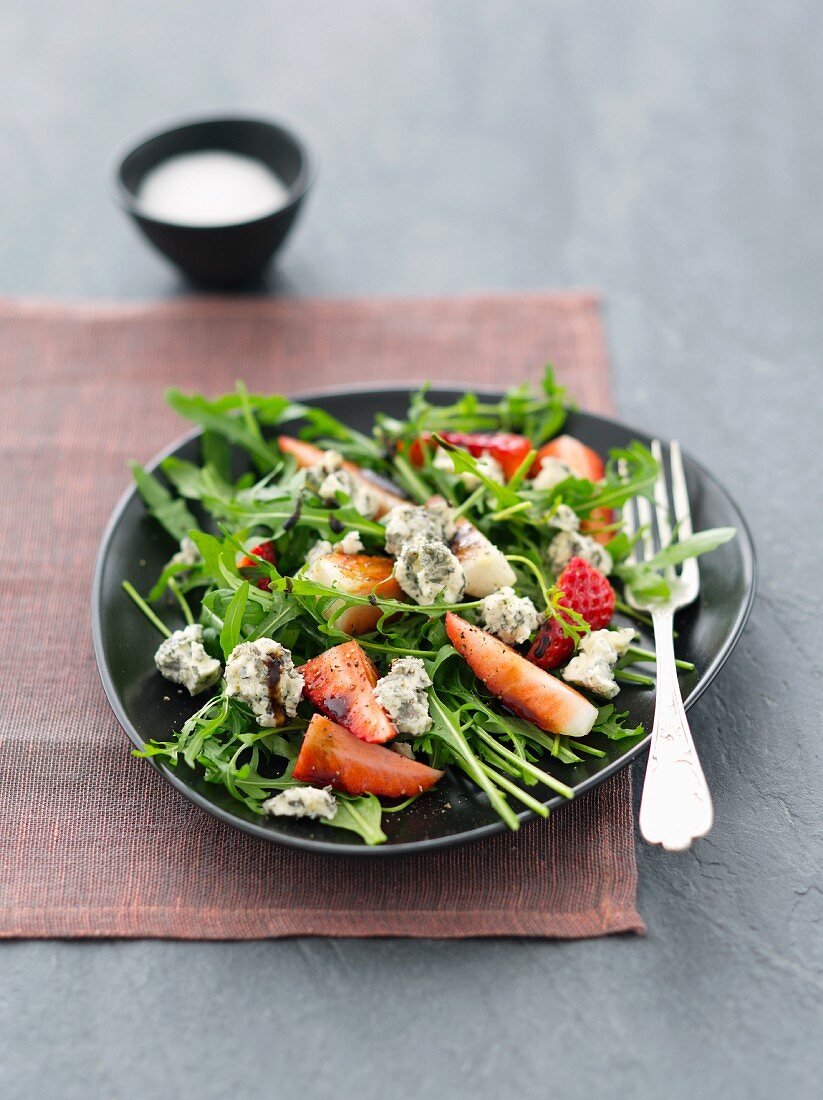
column 523, row 687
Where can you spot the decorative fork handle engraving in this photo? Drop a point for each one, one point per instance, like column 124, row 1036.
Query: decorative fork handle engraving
column 675, row 807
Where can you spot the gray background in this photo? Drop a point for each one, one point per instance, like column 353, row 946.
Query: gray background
column 670, row 153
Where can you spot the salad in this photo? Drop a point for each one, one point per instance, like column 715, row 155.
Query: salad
column 364, row 612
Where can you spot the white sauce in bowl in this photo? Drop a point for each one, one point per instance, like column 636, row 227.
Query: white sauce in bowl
column 211, row 187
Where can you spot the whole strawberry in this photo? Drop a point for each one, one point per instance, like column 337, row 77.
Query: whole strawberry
column 252, row 571
column 586, row 591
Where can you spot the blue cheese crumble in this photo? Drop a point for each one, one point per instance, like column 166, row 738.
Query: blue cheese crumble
column 406, row 522
column 403, row 695
column 426, row 569
column 351, row 543
column 182, row 659
column 329, row 477
column 564, row 518
column 593, row 666
column 262, row 675
column 571, row 544
column 511, row 618
column 302, row 802
column 552, row 472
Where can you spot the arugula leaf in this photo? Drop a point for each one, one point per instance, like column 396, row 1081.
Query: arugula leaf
column 217, row 417
column 169, row 511
column 233, row 621
column 217, row 454
column 613, row 725
column 646, row 580
column 361, row 815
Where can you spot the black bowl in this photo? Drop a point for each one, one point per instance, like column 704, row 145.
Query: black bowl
column 221, row 255
column 134, row 546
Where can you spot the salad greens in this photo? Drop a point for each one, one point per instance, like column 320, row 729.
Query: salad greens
column 218, row 513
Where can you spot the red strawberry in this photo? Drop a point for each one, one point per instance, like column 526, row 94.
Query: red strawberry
column 507, row 448
column 251, row 570
column 586, row 591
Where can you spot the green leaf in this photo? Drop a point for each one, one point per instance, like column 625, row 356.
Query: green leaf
column 446, row 726
column 691, row 547
column 613, row 725
column 361, row 815
column 646, row 579
column 215, row 554
column 214, row 416
column 233, row 621
column 169, row 511
column 217, row 454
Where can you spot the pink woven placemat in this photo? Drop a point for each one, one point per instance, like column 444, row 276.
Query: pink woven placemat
column 94, row 842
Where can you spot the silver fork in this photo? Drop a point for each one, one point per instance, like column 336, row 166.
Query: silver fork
column 675, row 807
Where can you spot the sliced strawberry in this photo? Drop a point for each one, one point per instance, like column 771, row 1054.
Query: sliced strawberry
column 360, row 575
column 330, row 754
column 306, row 454
column 583, row 462
column 521, row 685
column 586, row 591
column 506, row 447
column 252, row 571
column 339, row 684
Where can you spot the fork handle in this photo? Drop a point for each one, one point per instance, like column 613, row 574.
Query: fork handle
column 675, row 807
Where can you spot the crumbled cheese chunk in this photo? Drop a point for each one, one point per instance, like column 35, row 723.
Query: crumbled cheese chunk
column 427, row 569
column 351, row 543
column 262, row 675
column 509, row 617
column 564, row 518
column 593, row 666
column 182, row 659
column 445, row 512
column 188, row 554
column 552, row 472
column 402, row 695
column 329, row 477
column 302, row 802
column 571, row 544
column 406, row 522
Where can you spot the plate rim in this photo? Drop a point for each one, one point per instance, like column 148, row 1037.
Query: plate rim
column 748, row 553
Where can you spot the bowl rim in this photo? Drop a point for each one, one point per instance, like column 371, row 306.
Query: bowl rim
column 127, row 200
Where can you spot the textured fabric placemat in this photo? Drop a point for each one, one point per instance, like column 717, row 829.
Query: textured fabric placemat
column 94, row 842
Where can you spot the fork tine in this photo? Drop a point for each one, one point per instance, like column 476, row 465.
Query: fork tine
column 682, row 511
column 661, row 496
column 644, row 514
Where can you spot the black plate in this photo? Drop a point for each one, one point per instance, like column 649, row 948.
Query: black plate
column 135, row 547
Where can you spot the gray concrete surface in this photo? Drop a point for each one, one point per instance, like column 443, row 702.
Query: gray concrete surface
column 670, row 153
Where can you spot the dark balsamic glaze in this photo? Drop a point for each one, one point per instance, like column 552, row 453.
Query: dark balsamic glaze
column 274, row 669
column 295, row 516
column 542, row 644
